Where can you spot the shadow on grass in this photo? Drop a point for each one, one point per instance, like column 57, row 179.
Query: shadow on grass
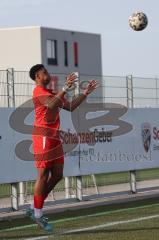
column 27, row 234
column 114, row 230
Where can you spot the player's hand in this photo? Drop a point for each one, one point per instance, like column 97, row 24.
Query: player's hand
column 92, row 85
column 70, row 79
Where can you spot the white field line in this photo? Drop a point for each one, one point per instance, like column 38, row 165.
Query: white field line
column 82, row 217
column 99, row 226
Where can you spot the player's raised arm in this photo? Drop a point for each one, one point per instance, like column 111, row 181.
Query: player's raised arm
column 54, row 102
column 71, row 106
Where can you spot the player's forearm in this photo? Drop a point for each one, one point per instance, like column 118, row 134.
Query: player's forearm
column 56, row 101
column 77, row 101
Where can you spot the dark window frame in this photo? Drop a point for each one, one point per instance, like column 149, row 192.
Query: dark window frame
column 65, row 53
column 53, row 60
column 76, row 57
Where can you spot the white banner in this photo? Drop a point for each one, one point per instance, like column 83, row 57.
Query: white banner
column 110, row 140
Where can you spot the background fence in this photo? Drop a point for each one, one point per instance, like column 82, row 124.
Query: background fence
column 16, row 88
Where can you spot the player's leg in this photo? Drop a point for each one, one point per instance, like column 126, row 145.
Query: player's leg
column 39, row 190
column 43, row 174
column 45, row 160
column 56, row 174
column 57, row 163
column 40, row 194
column 44, row 184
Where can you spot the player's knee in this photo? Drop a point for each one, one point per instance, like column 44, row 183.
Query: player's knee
column 43, row 175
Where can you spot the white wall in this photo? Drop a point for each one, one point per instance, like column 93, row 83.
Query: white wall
column 20, row 48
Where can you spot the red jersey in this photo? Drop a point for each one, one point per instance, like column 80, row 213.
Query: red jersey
column 44, row 116
column 47, row 146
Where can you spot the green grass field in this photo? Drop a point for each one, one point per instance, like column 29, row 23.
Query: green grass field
column 131, row 221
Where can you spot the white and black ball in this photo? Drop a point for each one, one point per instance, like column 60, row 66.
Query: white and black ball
column 138, row 21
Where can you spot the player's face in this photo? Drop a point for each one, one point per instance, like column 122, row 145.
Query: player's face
column 43, row 76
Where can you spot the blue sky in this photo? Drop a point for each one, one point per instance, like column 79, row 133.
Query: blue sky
column 124, row 51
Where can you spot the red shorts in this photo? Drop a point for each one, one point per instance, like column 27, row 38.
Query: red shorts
column 47, row 151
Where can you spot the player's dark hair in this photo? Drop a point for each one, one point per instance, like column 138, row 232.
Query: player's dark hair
column 34, row 69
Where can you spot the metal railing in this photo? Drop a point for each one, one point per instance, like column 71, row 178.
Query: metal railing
column 16, row 88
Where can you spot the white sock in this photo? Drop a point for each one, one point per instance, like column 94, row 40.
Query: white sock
column 38, row 212
column 32, row 206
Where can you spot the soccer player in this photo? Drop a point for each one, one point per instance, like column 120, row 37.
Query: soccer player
column 47, row 146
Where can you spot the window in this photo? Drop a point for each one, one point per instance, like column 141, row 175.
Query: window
column 75, row 46
column 52, row 52
column 65, row 53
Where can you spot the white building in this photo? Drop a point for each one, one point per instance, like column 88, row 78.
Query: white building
column 61, row 51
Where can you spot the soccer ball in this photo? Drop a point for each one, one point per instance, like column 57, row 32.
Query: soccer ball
column 138, row 21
